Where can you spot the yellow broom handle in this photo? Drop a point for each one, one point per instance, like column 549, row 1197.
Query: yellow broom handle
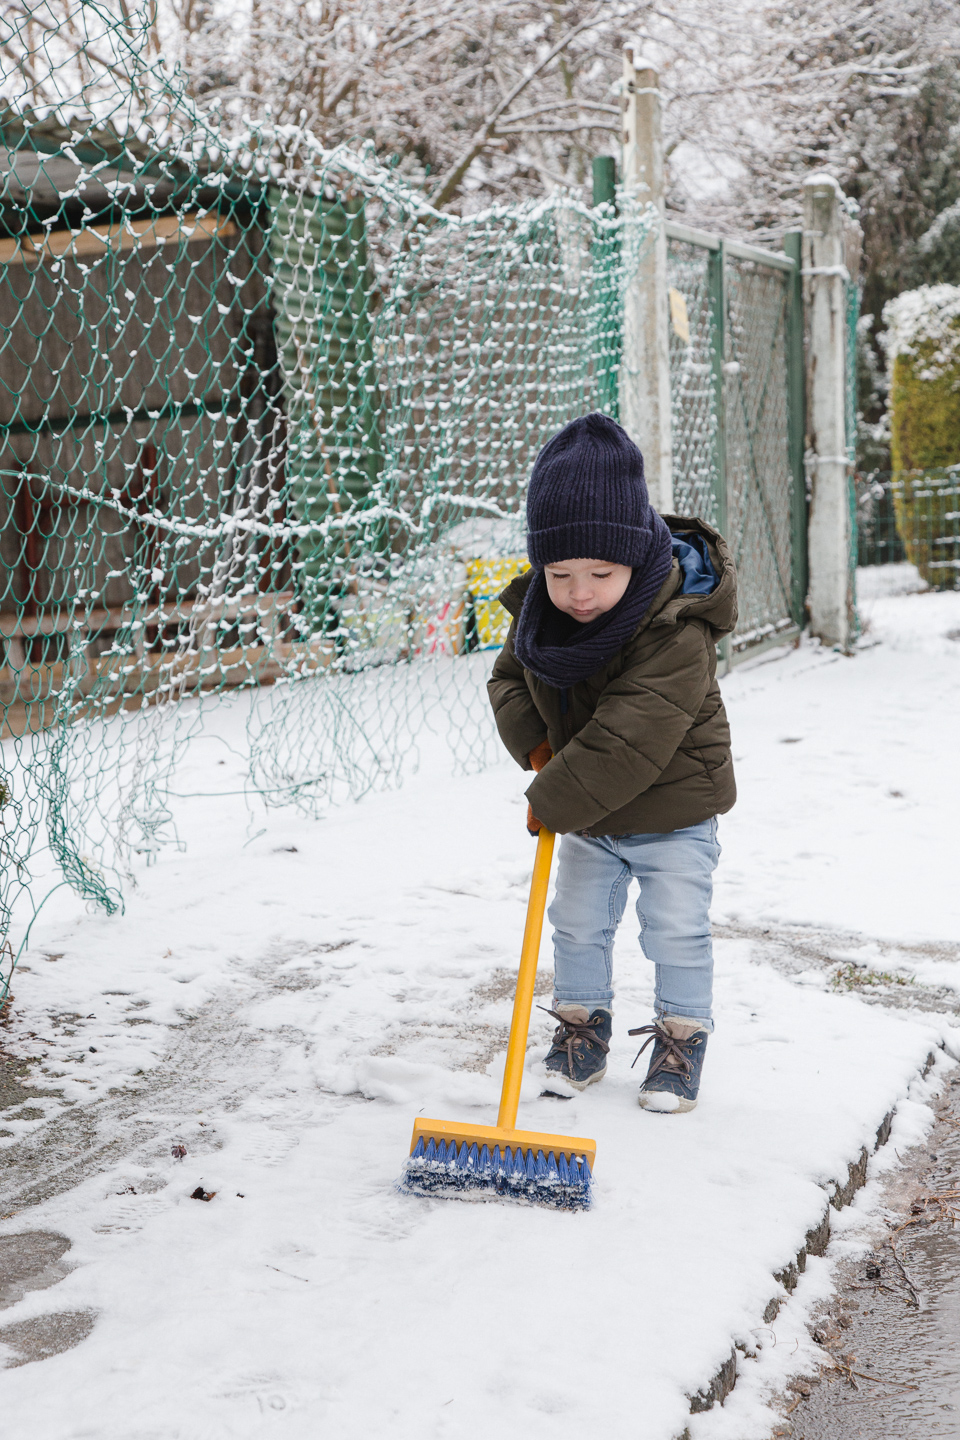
column 526, row 979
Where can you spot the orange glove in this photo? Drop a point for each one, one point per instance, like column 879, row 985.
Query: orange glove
column 538, row 758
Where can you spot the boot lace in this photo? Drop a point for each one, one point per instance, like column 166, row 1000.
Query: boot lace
column 673, row 1055
column 569, row 1034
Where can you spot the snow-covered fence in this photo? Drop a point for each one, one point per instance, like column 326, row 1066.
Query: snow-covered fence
column 713, row 372
column 717, row 336
column 266, row 419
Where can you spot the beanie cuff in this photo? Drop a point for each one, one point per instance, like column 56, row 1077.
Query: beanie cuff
column 589, row 540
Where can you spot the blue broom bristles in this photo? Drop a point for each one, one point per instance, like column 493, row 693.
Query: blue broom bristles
column 471, row 1172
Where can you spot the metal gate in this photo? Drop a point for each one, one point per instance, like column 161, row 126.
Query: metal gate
column 736, row 385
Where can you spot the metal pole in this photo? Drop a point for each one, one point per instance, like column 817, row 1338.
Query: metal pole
column 645, row 369
column 717, row 287
column 604, row 180
column 832, row 613
column 796, row 429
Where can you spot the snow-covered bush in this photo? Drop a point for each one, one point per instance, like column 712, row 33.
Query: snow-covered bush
column 922, row 341
column 923, row 347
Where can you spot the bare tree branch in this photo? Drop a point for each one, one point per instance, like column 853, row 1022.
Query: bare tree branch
column 451, row 181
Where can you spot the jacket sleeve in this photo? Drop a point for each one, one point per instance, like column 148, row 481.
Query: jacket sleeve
column 634, row 732
column 519, row 722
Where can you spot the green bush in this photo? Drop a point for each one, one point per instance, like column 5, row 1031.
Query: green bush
column 923, row 345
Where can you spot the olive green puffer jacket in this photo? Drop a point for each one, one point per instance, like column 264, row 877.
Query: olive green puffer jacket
column 643, row 745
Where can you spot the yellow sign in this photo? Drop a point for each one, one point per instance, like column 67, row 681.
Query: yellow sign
column 679, row 316
column 485, row 580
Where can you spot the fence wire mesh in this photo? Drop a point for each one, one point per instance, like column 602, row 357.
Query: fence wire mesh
column 912, row 518
column 758, row 474
column 694, row 380
column 265, row 425
column 730, row 402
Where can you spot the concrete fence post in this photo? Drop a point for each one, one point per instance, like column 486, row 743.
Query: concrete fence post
column 829, row 244
column 645, row 366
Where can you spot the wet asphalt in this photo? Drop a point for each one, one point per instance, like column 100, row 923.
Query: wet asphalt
column 894, row 1329
column 891, row 1337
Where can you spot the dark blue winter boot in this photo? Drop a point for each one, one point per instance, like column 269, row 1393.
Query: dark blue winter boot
column 578, row 1055
column 673, row 1079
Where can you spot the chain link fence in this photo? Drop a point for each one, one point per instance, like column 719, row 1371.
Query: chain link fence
column 266, row 421
column 911, row 518
column 736, row 393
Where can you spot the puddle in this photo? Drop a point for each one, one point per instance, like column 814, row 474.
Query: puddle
column 882, row 1332
column 35, row 1260
column 31, row 1261
column 45, row 1336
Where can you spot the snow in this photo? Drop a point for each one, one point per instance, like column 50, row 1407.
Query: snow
column 847, row 780
column 303, row 989
column 925, row 317
column 877, row 582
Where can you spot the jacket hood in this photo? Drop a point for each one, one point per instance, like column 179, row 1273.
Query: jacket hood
column 718, row 609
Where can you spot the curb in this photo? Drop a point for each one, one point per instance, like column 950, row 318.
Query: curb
column 815, row 1242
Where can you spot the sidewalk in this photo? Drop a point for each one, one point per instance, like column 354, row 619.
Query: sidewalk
column 294, row 1009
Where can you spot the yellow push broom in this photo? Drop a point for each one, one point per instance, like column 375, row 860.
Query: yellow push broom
column 486, row 1161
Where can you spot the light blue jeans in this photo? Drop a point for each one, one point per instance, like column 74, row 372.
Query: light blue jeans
column 675, row 871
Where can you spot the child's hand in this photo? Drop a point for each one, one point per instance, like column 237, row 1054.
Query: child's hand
column 539, row 757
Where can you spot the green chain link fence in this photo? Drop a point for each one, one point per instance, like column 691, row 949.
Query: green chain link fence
column 854, row 294
column 912, row 517
column 265, row 424
column 266, row 421
column 736, row 366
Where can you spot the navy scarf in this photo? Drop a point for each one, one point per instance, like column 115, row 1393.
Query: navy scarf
column 559, row 650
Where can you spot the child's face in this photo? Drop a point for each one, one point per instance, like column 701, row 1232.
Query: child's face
column 586, row 589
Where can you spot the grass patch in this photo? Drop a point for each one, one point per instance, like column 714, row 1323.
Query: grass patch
column 860, row 977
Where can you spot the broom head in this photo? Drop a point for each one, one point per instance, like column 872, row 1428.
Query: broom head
column 477, row 1162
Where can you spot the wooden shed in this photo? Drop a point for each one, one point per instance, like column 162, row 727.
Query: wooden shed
column 139, row 405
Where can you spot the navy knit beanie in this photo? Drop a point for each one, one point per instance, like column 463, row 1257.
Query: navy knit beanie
column 588, row 499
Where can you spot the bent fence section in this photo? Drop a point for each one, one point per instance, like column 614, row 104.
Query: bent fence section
column 265, row 425
column 273, row 432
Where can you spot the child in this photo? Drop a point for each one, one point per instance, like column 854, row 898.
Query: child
column 607, row 688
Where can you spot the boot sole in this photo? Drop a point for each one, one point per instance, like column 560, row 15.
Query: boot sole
column 683, row 1107
column 556, row 1076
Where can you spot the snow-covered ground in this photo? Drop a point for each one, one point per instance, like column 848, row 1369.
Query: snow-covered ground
column 281, row 1007
column 848, row 777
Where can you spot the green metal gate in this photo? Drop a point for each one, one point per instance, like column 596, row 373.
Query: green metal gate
column 736, row 377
